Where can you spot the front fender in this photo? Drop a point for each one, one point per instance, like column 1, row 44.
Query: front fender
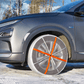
column 33, row 32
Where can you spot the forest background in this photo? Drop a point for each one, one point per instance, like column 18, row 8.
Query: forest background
column 13, row 8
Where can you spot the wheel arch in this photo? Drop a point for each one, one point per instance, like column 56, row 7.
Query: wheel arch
column 48, row 30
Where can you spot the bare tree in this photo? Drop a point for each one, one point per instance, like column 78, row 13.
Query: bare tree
column 17, row 7
column 20, row 7
column 0, row 9
column 28, row 11
column 10, row 6
column 73, row 0
column 35, row 6
column 0, row 6
column 63, row 2
column 51, row 2
column 43, row 7
column 46, row 6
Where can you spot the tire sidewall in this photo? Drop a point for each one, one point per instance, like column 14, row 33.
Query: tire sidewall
column 30, row 60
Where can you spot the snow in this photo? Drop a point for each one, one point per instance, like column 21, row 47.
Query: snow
column 72, row 74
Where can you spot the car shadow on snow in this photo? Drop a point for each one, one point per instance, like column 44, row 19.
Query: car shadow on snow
column 69, row 67
column 18, row 67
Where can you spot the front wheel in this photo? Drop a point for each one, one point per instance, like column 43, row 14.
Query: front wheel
column 47, row 55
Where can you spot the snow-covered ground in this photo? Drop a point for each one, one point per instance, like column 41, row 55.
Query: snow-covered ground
column 73, row 74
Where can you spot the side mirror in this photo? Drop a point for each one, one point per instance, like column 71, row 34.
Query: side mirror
column 80, row 12
column 77, row 13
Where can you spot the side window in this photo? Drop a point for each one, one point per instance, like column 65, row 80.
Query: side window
column 77, row 9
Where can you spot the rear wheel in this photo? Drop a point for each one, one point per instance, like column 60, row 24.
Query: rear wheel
column 47, row 55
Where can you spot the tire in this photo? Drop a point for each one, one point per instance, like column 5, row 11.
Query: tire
column 47, row 55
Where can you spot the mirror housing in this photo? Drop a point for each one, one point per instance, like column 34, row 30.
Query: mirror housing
column 77, row 13
column 80, row 12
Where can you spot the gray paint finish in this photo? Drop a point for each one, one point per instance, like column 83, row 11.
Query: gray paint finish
column 66, row 23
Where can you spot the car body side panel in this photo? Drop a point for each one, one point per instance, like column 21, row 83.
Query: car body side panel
column 37, row 25
column 79, row 37
column 53, row 24
column 79, row 33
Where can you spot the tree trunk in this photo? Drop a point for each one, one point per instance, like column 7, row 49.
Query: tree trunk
column 63, row 2
column 17, row 7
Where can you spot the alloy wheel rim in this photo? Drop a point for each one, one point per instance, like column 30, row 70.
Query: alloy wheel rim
column 49, row 58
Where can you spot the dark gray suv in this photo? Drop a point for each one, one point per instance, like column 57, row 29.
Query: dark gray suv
column 44, row 41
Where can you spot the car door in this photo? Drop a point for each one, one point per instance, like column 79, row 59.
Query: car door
column 79, row 33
